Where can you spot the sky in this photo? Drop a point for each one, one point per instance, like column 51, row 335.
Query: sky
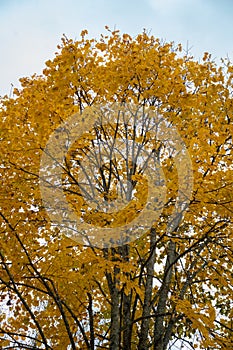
column 30, row 30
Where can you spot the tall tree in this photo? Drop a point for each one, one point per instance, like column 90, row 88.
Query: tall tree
column 116, row 229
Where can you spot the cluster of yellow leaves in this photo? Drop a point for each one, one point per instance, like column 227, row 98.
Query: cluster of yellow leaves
column 202, row 318
column 196, row 98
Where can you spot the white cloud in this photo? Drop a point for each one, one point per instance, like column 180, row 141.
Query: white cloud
column 31, row 29
column 204, row 25
column 167, row 6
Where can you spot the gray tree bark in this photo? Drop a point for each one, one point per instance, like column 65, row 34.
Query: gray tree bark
column 147, row 304
column 159, row 328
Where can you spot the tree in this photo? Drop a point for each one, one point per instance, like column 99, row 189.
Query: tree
column 165, row 284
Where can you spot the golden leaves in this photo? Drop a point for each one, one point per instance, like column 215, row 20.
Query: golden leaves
column 202, row 317
column 194, row 97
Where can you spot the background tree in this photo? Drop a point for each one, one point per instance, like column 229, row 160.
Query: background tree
column 165, row 290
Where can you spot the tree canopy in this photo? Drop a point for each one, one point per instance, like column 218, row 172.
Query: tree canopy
column 163, row 281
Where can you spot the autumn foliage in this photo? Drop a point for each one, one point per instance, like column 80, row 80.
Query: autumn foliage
column 165, row 289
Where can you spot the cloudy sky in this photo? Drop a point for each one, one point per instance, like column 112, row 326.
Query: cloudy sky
column 30, row 30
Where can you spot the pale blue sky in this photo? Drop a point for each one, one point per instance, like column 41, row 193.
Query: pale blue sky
column 31, row 29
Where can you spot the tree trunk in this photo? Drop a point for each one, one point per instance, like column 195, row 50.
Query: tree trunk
column 115, row 310
column 159, row 328
column 127, row 324
column 147, row 305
